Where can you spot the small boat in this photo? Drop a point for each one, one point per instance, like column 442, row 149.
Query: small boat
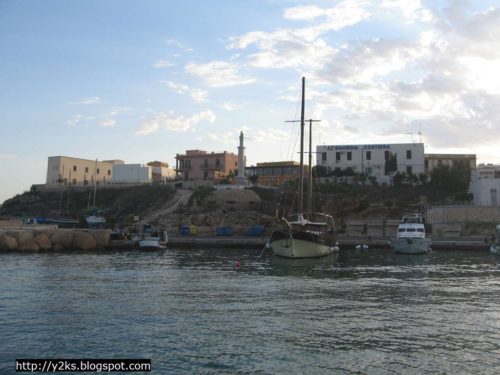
column 152, row 243
column 305, row 234
column 152, row 239
column 94, row 218
column 411, row 237
column 495, row 246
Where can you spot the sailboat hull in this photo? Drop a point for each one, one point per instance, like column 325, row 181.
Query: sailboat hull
column 299, row 245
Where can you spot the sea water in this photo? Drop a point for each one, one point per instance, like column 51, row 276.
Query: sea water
column 210, row 311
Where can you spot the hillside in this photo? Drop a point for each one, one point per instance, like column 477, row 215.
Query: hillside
column 206, row 209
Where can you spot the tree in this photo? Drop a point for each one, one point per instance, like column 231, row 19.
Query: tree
column 451, row 180
column 391, row 164
column 253, row 179
column 321, row 171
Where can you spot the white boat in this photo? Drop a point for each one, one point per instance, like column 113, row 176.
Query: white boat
column 495, row 246
column 95, row 220
column 411, row 237
column 153, row 240
column 152, row 243
column 304, row 235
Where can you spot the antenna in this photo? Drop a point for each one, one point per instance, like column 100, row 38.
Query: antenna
column 412, row 139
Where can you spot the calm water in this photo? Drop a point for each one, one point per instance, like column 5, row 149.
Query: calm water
column 195, row 311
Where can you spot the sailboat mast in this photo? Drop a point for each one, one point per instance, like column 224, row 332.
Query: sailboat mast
column 309, row 182
column 95, row 180
column 301, row 172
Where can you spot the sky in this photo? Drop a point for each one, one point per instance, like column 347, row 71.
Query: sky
column 146, row 80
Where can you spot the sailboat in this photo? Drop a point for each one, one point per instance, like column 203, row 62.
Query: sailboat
column 304, row 234
column 93, row 217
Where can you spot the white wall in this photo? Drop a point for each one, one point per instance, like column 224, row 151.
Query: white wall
column 371, row 158
column 132, row 173
column 485, row 187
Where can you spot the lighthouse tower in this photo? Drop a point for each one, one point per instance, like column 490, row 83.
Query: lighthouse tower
column 241, row 179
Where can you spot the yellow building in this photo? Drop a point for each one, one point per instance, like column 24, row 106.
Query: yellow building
column 275, row 173
column 64, row 170
column 436, row 160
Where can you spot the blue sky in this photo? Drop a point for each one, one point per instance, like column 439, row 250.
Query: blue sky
column 144, row 80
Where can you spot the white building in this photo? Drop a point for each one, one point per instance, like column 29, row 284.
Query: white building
column 372, row 158
column 132, row 174
column 485, row 185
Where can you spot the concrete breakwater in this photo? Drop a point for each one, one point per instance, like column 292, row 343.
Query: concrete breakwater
column 53, row 239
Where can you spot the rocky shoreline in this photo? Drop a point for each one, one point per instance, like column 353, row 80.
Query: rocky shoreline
column 53, row 239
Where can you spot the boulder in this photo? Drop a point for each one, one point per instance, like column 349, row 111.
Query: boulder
column 29, row 246
column 101, row 236
column 83, row 241
column 63, row 238
column 43, row 241
column 23, row 237
column 7, row 242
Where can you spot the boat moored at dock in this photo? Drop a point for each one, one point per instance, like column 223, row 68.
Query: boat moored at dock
column 411, row 237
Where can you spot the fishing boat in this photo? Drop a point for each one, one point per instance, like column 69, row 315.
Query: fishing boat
column 152, row 239
column 305, row 234
column 495, row 246
column 411, row 237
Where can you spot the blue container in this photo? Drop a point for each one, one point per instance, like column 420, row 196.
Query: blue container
column 220, row 231
column 255, row 230
column 184, row 230
column 228, row 231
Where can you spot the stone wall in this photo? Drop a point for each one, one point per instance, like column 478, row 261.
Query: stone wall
column 37, row 239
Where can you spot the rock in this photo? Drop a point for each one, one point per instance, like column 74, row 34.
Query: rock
column 63, row 238
column 7, row 242
column 29, row 246
column 83, row 241
column 23, row 237
column 43, row 241
column 57, row 247
column 101, row 236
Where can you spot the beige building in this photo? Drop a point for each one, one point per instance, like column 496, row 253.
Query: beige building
column 275, row 173
column 436, row 160
column 161, row 171
column 201, row 165
column 64, row 170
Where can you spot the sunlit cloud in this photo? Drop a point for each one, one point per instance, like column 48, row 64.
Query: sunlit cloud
column 218, row 73
column 198, row 95
column 169, row 121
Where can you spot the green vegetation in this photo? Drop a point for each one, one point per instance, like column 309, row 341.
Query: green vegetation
column 117, row 204
column 199, row 195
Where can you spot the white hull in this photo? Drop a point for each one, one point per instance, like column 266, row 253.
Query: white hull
column 294, row 248
column 407, row 245
column 95, row 220
column 151, row 243
column 495, row 249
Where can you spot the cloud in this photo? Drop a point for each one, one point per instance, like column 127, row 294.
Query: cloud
column 89, row 101
column 218, row 73
column 107, row 123
column 163, row 64
column 173, row 123
column 230, row 106
column 198, row 95
column 178, row 44
column 75, row 120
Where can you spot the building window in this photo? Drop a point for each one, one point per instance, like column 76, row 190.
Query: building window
column 74, row 181
column 323, row 156
column 337, row 156
column 440, row 162
column 408, row 154
column 98, row 170
column 86, row 169
column 217, row 163
column 205, row 175
column 409, row 170
column 368, row 170
column 109, row 172
column 349, row 155
column 387, row 155
column 74, row 168
column 368, row 155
